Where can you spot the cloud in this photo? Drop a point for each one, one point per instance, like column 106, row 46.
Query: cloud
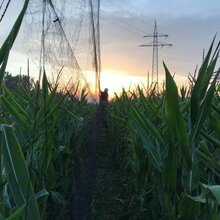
column 190, row 24
column 189, row 34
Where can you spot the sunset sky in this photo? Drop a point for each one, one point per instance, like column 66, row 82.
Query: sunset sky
column 190, row 24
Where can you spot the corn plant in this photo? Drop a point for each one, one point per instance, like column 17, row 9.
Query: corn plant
column 51, row 135
column 171, row 144
column 41, row 143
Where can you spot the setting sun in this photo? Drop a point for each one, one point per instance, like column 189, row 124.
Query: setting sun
column 115, row 81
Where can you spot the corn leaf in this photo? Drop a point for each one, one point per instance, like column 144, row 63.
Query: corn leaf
column 17, row 214
column 188, row 208
column 198, row 87
column 50, row 99
column 215, row 124
column 140, row 117
column 170, row 169
column 17, row 173
column 5, row 49
column 176, row 124
column 206, row 104
column 210, row 192
column 153, row 154
column 51, row 111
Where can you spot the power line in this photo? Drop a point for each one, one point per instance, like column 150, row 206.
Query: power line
column 117, row 5
column 115, row 23
column 119, row 19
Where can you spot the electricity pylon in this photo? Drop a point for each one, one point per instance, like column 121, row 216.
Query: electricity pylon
column 155, row 44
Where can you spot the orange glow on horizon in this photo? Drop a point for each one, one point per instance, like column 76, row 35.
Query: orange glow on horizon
column 116, row 81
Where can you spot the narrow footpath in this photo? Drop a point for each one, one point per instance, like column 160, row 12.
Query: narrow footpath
column 107, row 200
column 99, row 194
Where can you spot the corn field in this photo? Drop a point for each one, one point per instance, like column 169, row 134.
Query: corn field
column 159, row 159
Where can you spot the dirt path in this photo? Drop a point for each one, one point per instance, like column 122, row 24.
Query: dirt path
column 83, row 194
column 108, row 196
column 99, row 194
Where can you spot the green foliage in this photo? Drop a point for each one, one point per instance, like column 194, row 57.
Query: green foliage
column 53, row 132
column 170, row 146
column 18, row 83
column 7, row 45
column 143, row 126
column 41, row 129
column 17, row 214
column 188, row 208
column 167, row 145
